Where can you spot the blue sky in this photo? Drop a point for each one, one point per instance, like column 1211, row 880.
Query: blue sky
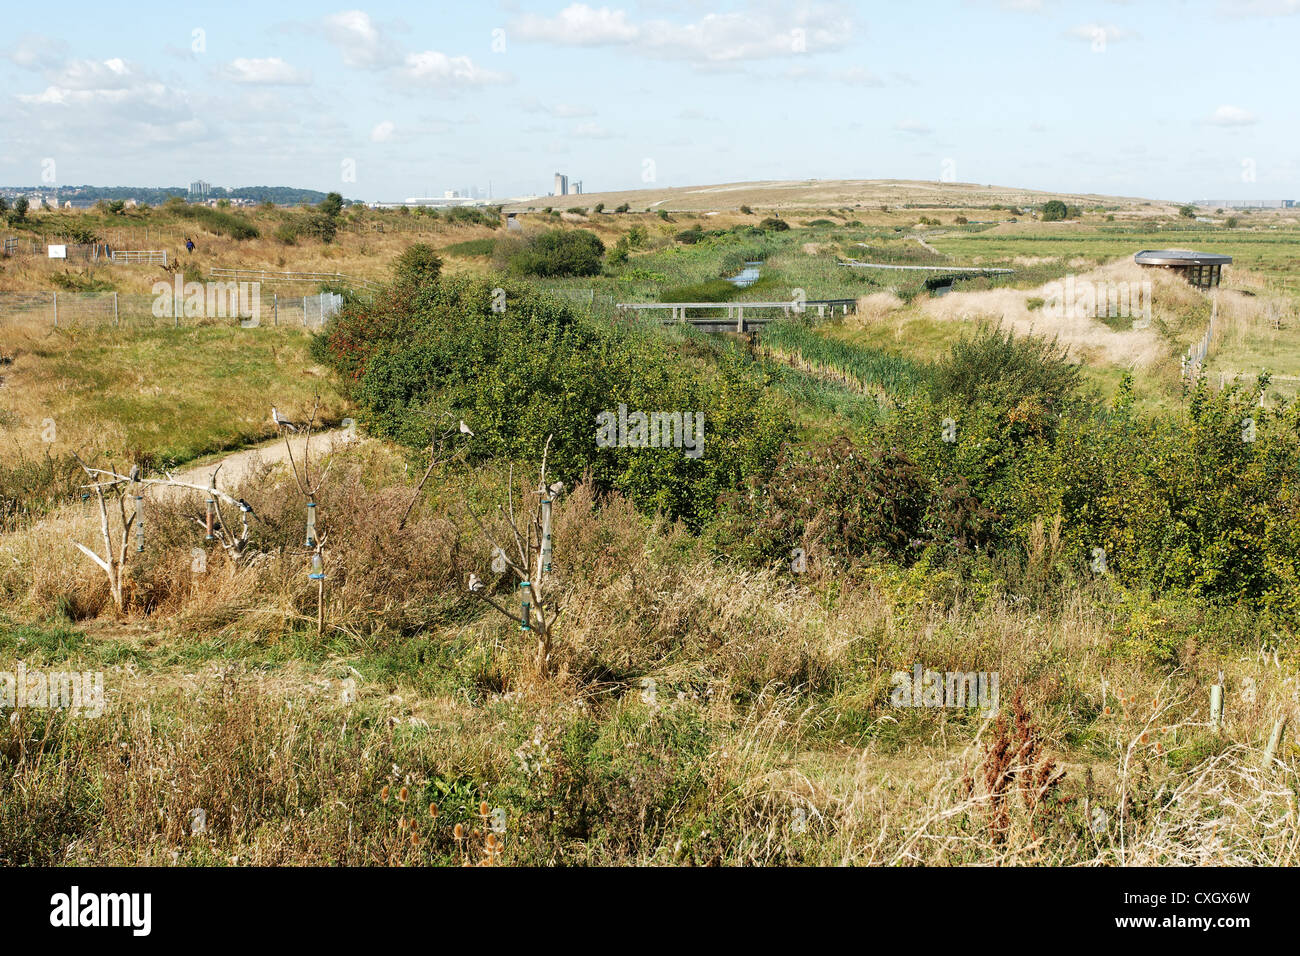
column 1174, row 99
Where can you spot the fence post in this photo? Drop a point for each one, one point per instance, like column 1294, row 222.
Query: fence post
column 56, row 309
column 115, row 310
column 304, row 311
column 275, row 307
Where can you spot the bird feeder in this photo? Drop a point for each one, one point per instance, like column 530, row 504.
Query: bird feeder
column 525, row 606
column 317, row 568
column 546, row 535
column 211, row 518
column 311, row 524
column 139, row 523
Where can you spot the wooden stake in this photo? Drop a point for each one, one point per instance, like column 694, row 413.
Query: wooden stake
column 1274, row 741
column 1216, row 705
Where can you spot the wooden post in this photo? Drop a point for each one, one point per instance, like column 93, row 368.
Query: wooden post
column 1274, row 741
column 275, row 307
column 1216, row 705
column 115, row 318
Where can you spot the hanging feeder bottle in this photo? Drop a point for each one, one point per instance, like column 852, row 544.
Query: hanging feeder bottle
column 525, row 606
column 311, row 524
column 139, row 523
column 317, row 568
column 211, row 518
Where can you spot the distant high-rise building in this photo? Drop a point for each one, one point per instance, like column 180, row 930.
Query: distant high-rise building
column 577, row 188
column 200, row 188
column 561, row 184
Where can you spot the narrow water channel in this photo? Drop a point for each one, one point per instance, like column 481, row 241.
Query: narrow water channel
column 746, row 276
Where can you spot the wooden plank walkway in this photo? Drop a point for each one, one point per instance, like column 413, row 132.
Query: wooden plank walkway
column 734, row 312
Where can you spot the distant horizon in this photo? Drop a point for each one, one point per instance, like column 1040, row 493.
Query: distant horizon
column 184, row 188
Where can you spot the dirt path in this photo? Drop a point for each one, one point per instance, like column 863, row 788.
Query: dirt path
column 239, row 465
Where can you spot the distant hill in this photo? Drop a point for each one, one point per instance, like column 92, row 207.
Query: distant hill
column 156, row 195
column 824, row 193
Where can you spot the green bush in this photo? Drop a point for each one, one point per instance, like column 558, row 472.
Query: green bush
column 996, row 366
column 1054, row 211
column 837, row 501
column 559, row 252
column 319, row 226
column 535, row 370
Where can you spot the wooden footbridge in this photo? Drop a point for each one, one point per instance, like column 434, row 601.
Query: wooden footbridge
column 737, row 316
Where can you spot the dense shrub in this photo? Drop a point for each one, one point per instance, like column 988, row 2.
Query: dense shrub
column 559, row 252
column 1054, row 211
column 837, row 501
column 996, row 366
column 535, row 370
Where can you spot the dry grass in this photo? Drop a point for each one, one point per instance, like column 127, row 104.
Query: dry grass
column 1088, row 338
column 689, row 691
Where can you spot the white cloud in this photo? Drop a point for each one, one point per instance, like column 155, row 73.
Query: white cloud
column 382, row 132
column 110, row 103
column 577, row 25
column 1106, row 32
column 532, row 104
column 361, row 41
column 591, row 131
column 1232, row 116
column 857, row 76
column 271, row 71
column 366, row 45
column 434, row 69
column 569, row 111
column 759, row 31
column 916, row 127
column 36, row 52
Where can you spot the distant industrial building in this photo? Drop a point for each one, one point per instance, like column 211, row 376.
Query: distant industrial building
column 561, row 184
column 200, row 189
column 1247, row 203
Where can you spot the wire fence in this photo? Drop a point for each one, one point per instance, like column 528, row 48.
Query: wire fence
column 1200, row 351
column 79, row 310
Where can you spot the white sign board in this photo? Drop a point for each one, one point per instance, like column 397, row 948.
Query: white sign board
column 58, row 252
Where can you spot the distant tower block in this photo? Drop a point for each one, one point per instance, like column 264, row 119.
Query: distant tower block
column 577, row 188
column 561, row 184
column 1201, row 269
